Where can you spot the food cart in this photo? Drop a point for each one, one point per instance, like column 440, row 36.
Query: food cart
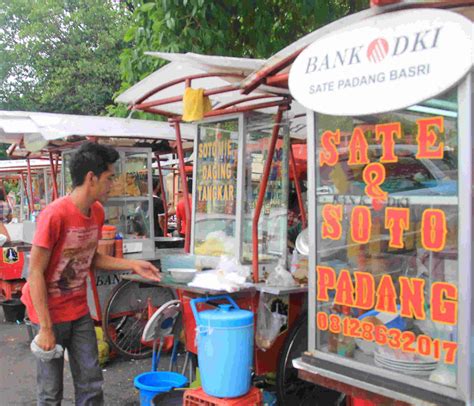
column 242, row 163
column 129, row 208
column 15, row 172
column 389, row 122
column 24, row 201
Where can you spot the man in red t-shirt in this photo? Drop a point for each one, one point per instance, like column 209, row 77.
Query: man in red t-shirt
column 64, row 249
column 181, row 218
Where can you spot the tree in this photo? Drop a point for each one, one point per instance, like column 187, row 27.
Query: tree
column 246, row 28
column 3, row 151
column 60, row 55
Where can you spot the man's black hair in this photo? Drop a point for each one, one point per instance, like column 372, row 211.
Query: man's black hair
column 91, row 157
column 2, row 194
column 155, row 182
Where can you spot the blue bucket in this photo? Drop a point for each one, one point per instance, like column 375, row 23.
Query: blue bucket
column 152, row 383
column 225, row 348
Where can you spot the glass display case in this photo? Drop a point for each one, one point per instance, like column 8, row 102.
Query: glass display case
column 230, row 159
column 272, row 226
column 388, row 252
column 130, row 203
column 215, row 190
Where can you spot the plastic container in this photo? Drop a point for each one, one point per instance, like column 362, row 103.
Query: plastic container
column 197, row 397
column 225, row 348
column 118, row 246
column 14, row 310
column 151, row 383
column 108, row 232
column 182, row 275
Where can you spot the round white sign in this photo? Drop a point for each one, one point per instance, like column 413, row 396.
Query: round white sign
column 384, row 63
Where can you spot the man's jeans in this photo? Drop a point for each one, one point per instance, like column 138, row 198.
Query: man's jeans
column 79, row 338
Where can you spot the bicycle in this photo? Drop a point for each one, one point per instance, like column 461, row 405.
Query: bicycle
column 127, row 310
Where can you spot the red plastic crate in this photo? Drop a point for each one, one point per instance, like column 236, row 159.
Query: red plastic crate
column 197, row 397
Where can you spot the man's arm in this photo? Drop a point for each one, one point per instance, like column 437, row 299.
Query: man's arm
column 39, row 261
column 142, row 268
column 4, row 231
column 161, row 223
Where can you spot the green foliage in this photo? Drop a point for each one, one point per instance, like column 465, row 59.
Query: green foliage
column 3, row 151
column 60, row 55
column 241, row 28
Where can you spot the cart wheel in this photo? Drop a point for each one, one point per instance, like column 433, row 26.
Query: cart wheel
column 290, row 389
column 126, row 314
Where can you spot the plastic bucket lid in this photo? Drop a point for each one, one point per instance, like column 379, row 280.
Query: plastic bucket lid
column 108, row 232
column 226, row 316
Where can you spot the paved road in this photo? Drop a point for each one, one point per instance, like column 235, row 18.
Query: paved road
column 18, row 372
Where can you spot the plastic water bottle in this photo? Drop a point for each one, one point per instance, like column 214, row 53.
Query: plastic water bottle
column 118, row 245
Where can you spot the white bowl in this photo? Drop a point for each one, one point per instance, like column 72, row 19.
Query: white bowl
column 182, row 275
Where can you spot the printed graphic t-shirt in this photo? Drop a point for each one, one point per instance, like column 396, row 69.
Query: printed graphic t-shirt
column 72, row 239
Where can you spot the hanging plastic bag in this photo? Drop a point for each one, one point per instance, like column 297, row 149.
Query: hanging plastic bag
column 280, row 277
column 269, row 323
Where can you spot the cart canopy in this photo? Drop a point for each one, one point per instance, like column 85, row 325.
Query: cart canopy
column 48, row 131
column 205, row 72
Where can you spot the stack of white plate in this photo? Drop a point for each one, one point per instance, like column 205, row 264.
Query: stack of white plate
column 418, row 366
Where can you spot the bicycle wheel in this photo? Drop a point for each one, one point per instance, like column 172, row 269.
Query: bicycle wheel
column 126, row 314
column 290, row 389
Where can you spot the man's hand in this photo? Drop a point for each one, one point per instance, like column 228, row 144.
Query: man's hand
column 146, row 269
column 46, row 339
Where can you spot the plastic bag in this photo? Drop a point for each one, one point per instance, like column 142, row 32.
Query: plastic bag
column 230, row 265
column 229, row 275
column 269, row 323
column 280, row 277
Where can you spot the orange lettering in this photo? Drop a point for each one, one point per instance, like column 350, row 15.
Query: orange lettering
column 412, row 298
column 444, row 310
column 397, row 220
column 344, row 289
column 326, row 281
column 427, row 138
column 365, row 289
column 358, row 148
column 332, row 216
column 329, row 154
column 373, row 176
column 433, row 230
column 387, row 132
column 386, row 295
column 361, row 224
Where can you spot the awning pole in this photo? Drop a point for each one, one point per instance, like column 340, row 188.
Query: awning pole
column 298, row 188
column 182, row 172
column 163, row 194
column 30, row 185
column 53, row 176
column 25, row 192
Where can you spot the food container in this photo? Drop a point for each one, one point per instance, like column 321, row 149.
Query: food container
column 108, row 232
column 182, row 275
